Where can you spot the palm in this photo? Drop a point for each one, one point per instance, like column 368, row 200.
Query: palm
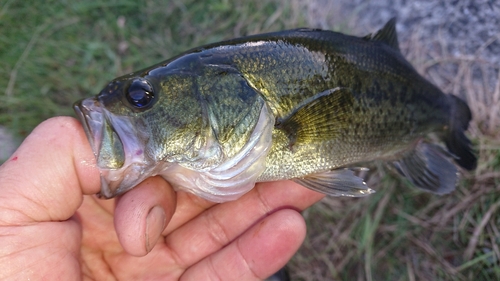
column 207, row 227
column 50, row 230
column 106, row 258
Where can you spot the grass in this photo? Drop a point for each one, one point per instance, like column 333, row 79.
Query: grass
column 55, row 52
column 65, row 50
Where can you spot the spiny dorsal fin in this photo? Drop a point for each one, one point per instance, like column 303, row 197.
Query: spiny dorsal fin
column 386, row 35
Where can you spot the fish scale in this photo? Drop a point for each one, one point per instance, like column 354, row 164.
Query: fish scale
column 303, row 104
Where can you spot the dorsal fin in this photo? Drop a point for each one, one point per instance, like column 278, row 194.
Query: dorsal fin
column 386, row 35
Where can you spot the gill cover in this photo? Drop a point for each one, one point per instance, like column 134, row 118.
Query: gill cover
column 239, row 128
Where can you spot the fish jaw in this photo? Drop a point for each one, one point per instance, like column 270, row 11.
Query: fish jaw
column 118, row 148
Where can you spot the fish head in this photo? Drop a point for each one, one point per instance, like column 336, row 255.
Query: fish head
column 135, row 125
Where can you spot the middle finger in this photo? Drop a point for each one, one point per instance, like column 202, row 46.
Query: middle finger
column 219, row 225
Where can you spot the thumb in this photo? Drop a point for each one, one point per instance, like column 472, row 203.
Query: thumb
column 45, row 179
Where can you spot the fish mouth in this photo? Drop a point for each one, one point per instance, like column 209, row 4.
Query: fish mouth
column 116, row 145
column 106, row 144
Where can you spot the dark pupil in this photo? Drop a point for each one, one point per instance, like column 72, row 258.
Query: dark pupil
column 140, row 93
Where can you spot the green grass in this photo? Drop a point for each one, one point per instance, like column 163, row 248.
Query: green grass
column 53, row 53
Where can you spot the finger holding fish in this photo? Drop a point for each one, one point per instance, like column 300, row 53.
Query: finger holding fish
column 142, row 214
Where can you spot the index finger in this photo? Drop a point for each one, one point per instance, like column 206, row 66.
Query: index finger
column 45, row 179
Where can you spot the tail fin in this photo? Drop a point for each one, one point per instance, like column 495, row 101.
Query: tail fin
column 456, row 141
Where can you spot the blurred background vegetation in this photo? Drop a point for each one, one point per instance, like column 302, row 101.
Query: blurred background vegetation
column 53, row 53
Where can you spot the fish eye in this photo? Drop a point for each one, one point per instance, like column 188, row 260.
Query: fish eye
column 140, row 93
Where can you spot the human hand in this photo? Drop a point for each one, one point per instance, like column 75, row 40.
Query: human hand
column 52, row 228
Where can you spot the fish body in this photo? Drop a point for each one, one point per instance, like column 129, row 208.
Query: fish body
column 303, row 104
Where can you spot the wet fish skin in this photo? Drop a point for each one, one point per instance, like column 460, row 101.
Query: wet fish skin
column 302, row 104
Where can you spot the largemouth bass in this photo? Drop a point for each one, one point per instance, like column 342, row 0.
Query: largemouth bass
column 306, row 104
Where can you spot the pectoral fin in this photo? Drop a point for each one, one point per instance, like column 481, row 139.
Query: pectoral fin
column 321, row 117
column 429, row 167
column 340, row 182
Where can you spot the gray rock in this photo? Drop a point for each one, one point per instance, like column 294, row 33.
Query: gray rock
column 466, row 25
column 8, row 144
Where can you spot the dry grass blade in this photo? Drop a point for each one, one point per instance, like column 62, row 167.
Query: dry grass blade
column 495, row 106
column 479, row 228
column 465, row 203
column 24, row 55
column 494, row 236
column 431, row 251
column 411, row 273
column 414, row 220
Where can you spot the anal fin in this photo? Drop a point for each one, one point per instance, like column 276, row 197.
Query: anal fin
column 341, row 182
column 429, row 167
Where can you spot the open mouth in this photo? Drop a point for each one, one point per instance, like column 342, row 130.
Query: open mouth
column 118, row 146
column 91, row 119
column 105, row 142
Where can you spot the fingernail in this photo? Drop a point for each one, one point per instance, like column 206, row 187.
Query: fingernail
column 155, row 223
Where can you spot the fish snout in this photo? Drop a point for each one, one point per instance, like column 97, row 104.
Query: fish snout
column 119, row 148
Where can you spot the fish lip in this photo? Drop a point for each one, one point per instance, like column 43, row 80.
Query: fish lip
column 88, row 111
column 93, row 120
column 137, row 165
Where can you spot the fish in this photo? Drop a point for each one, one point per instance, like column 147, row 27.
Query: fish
column 308, row 105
